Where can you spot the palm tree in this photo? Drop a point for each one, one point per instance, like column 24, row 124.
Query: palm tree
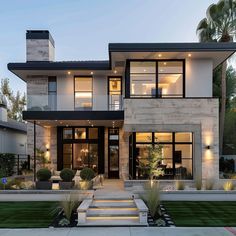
column 219, row 26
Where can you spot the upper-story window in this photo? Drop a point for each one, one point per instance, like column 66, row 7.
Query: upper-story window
column 52, row 92
column 83, row 93
column 114, row 92
column 156, row 78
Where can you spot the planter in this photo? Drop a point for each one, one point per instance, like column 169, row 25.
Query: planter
column 85, row 185
column 66, row 185
column 46, row 185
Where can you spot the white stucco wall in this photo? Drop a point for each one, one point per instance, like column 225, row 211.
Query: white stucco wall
column 199, row 78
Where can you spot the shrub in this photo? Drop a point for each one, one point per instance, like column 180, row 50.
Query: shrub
column 209, row 184
column 179, row 185
column 67, row 175
column 152, row 199
column 7, row 164
column 228, row 185
column 43, row 174
column 198, row 183
column 87, row 174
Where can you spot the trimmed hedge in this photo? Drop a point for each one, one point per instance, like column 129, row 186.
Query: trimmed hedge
column 7, row 164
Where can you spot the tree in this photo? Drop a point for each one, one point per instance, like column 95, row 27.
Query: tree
column 15, row 102
column 154, row 160
column 219, row 26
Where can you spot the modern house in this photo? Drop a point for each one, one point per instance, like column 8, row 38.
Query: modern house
column 105, row 114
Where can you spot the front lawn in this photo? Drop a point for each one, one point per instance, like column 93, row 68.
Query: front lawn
column 26, row 214
column 202, row 213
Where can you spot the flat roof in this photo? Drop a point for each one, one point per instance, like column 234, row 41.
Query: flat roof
column 172, row 47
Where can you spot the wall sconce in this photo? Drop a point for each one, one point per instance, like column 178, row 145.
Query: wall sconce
column 47, row 149
column 208, row 147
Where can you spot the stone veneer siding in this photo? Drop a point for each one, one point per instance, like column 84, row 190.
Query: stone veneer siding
column 199, row 116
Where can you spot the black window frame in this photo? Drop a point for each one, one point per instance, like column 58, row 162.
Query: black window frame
column 173, row 143
column 127, row 77
column 83, row 76
column 52, row 79
column 108, row 90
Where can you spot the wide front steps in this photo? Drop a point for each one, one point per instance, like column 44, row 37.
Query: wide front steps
column 111, row 212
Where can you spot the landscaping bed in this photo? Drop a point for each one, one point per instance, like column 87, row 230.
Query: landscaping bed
column 202, row 213
column 26, row 214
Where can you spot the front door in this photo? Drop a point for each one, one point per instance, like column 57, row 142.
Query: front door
column 113, row 153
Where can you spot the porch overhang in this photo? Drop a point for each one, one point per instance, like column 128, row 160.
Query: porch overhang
column 73, row 118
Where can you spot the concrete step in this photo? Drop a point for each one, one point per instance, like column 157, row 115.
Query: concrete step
column 113, row 211
column 113, row 223
column 113, row 203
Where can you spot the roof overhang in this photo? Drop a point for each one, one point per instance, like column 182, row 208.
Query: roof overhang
column 217, row 52
column 120, row 52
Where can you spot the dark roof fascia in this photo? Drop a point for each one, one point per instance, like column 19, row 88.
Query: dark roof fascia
column 39, row 65
column 73, row 115
column 171, row 47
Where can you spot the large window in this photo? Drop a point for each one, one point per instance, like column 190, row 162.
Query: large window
column 80, row 147
column 162, row 78
column 114, row 92
column 83, row 93
column 176, row 153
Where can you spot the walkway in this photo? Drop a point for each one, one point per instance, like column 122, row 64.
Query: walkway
column 131, row 231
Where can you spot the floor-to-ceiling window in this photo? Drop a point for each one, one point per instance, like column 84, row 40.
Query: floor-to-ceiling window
column 176, row 154
column 156, row 78
column 82, row 147
column 83, row 93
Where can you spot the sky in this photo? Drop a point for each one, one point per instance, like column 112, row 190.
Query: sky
column 82, row 29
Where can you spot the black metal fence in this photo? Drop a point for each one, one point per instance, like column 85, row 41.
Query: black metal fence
column 22, row 162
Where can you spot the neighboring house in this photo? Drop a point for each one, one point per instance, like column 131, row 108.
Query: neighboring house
column 13, row 134
column 105, row 114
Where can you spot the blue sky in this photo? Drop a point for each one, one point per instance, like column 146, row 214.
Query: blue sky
column 82, row 29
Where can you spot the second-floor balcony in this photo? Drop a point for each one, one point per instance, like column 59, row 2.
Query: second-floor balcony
column 81, row 102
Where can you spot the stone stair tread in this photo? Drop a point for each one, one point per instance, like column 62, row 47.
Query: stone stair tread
column 113, row 214
column 111, row 223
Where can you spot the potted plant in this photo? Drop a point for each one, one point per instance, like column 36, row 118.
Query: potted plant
column 43, row 176
column 67, row 176
column 86, row 174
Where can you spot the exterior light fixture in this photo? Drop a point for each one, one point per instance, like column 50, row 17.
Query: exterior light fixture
column 165, row 63
column 91, row 73
column 189, row 55
column 159, row 55
column 68, row 72
column 47, row 149
column 115, row 71
column 208, row 147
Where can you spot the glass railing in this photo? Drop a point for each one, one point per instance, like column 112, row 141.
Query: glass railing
column 71, row 103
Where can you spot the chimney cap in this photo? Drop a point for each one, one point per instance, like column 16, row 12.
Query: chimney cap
column 39, row 34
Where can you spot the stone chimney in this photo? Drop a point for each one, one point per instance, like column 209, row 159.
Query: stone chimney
column 39, row 46
column 3, row 108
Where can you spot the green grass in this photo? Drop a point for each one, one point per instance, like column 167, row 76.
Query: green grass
column 211, row 214
column 26, row 214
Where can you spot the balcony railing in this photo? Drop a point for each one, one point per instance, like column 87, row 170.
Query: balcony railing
column 71, row 103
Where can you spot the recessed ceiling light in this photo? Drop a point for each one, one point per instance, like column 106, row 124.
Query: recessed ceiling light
column 144, row 70
column 165, row 63
column 91, row 72
column 159, row 55
column 115, row 71
column 68, row 72
column 67, row 125
column 161, row 70
column 189, row 55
